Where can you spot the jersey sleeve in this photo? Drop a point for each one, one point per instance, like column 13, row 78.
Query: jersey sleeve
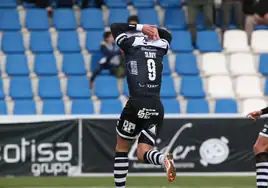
column 119, row 33
column 165, row 35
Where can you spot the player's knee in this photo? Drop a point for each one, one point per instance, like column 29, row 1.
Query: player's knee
column 121, row 145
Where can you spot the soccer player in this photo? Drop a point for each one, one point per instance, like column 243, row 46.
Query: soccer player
column 261, row 151
column 143, row 114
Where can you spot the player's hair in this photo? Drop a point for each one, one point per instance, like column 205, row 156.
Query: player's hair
column 106, row 34
column 133, row 18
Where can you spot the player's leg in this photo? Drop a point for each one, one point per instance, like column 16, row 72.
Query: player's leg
column 261, row 151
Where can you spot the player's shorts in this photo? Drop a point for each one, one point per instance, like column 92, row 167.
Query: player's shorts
column 264, row 131
column 141, row 117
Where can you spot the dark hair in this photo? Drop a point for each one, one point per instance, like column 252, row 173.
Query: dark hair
column 133, row 18
column 107, row 34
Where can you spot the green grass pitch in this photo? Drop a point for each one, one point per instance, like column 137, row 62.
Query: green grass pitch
column 133, row 182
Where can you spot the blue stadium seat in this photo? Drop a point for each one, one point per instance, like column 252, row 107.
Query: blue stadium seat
column 200, row 21
column 8, row 4
column 166, row 68
column 95, row 58
column 202, row 41
column 148, row 16
column 68, row 42
column 192, row 87
column 64, row 19
column 49, row 88
column 266, row 87
column 16, row 65
column 186, row 64
column 226, row 106
column 260, row 27
column 45, row 65
column 126, row 91
column 143, row 3
column 20, row 88
column 106, row 106
column 37, row 19
column 78, row 87
column 175, row 19
column 53, row 107
column 197, row 106
column 29, row 5
column 90, row 24
column 171, row 106
column 167, row 89
column 106, row 87
column 93, row 41
column 116, row 3
column 170, row 3
column 118, row 16
column 263, row 66
column 181, row 42
column 12, row 42
column 40, row 42
column 9, row 20
column 24, row 107
column 2, row 94
column 73, row 65
column 3, row 108
column 82, row 107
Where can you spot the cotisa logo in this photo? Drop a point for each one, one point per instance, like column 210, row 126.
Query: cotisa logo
column 45, row 158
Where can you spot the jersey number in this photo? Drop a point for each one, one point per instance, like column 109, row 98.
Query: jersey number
column 151, row 69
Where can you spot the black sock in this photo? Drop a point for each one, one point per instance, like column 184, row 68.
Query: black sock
column 262, row 170
column 154, row 157
column 120, row 169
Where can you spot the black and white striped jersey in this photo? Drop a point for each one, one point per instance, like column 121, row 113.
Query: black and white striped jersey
column 143, row 59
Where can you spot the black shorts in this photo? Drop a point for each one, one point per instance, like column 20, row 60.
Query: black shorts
column 143, row 118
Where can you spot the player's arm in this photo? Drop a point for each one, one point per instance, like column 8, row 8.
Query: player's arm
column 164, row 34
column 256, row 114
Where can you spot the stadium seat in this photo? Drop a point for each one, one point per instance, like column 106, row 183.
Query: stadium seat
column 64, row 19
column 250, row 105
column 175, row 19
column 259, row 40
column 167, row 89
column 227, row 106
column 235, row 41
column 8, row 4
column 3, row 108
column 192, row 87
column 126, row 91
column 220, row 87
column 82, row 107
column 95, row 58
column 263, row 66
column 49, row 88
column 36, row 19
column 2, row 94
column 68, row 42
column 20, row 88
column 106, row 106
column 181, row 42
column 186, row 64
column 73, row 65
column 90, row 24
column 143, row 3
column 260, row 27
column 170, row 3
column 266, row 87
column 24, row 107
column 116, row 3
column 45, row 65
column 16, row 65
column 53, row 107
column 118, row 16
column 171, row 106
column 12, row 42
column 244, row 82
column 242, row 64
column 197, row 106
column 200, row 21
column 214, row 64
column 148, row 16
column 202, row 41
column 9, row 20
column 93, row 40
column 106, row 87
column 166, row 68
column 40, row 42
column 78, row 87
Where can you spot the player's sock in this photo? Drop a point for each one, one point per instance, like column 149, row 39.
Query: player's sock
column 154, row 157
column 120, row 169
column 262, row 170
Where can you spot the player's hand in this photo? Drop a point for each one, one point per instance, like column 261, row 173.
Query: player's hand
column 149, row 31
column 254, row 115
